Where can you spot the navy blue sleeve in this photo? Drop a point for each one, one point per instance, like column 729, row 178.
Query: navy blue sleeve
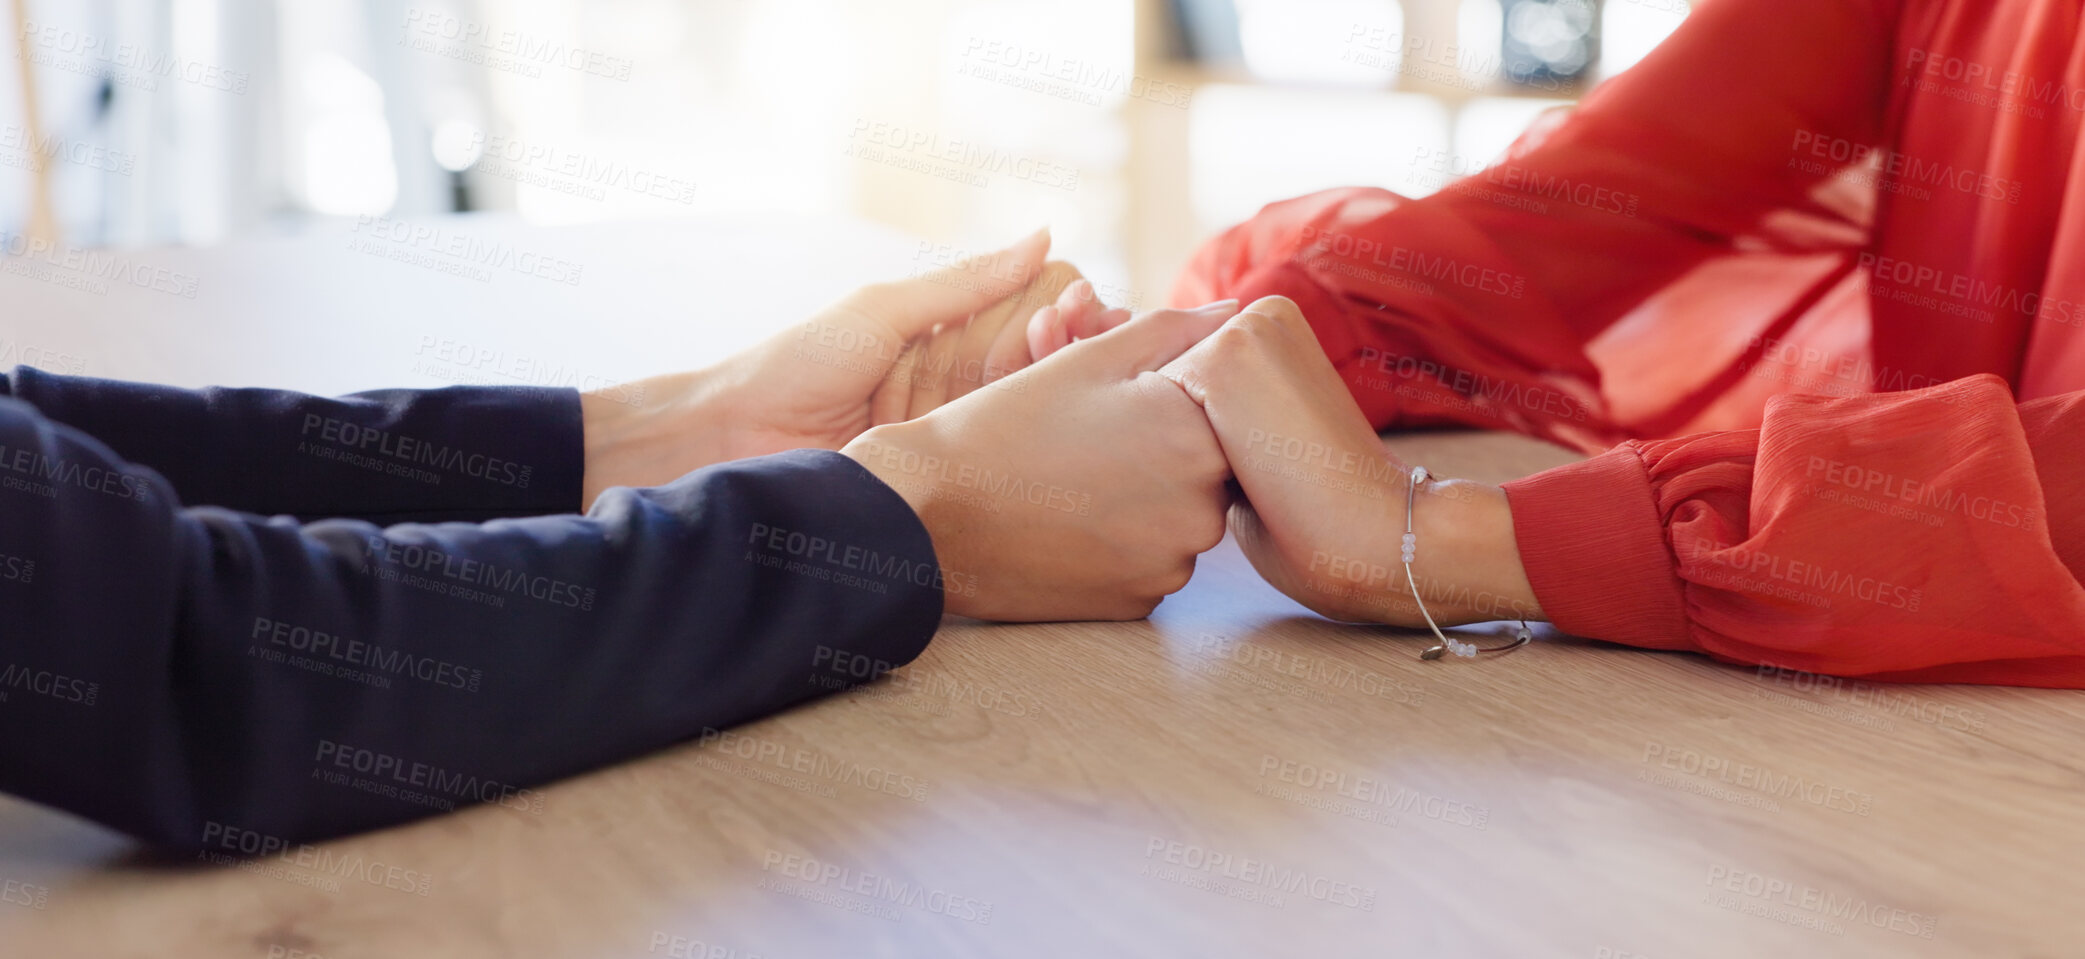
column 184, row 674
column 464, row 453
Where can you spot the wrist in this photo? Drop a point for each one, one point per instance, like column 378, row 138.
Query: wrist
column 883, row 451
column 647, row 433
column 1467, row 566
column 603, row 425
column 894, row 453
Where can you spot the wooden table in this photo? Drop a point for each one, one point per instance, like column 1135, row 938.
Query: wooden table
column 1231, row 777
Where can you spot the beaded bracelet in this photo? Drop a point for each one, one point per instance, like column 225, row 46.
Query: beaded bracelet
column 1411, row 548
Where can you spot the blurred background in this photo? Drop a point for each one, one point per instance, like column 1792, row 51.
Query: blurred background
column 1134, row 128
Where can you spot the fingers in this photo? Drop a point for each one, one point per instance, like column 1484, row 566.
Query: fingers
column 1096, row 322
column 1271, row 330
column 908, row 309
column 1047, row 333
column 892, row 401
column 1291, row 430
column 1046, row 330
column 1009, row 352
column 935, row 369
column 1078, row 314
column 995, row 341
column 887, row 404
column 1154, row 339
column 967, row 356
column 1085, row 315
column 948, row 359
column 1049, row 330
column 956, row 355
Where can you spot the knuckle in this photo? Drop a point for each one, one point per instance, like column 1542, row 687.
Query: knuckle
column 1236, row 339
column 1259, row 329
column 1277, row 310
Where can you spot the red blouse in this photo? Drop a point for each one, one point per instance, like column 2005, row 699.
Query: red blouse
column 1806, row 265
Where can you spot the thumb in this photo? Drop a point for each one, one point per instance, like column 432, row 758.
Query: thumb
column 1153, row 339
column 1269, row 318
column 910, row 308
column 1298, row 443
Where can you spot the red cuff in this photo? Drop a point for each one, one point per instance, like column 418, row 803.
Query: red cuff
column 1594, row 547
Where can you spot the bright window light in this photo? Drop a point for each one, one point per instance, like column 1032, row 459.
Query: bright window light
column 457, row 144
column 1629, row 29
column 1249, row 146
column 1488, row 125
column 348, row 169
column 1347, row 42
column 1479, row 30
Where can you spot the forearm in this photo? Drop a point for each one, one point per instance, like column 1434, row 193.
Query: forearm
column 1475, row 305
column 457, row 454
column 193, row 667
column 1468, row 566
column 1827, row 540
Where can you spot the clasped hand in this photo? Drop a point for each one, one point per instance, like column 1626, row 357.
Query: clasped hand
column 1083, row 486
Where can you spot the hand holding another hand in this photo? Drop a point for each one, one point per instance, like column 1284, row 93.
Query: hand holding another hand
column 885, row 353
column 1080, row 488
column 956, row 358
column 1323, row 513
column 1084, row 487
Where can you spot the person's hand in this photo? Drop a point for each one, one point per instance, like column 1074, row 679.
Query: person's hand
column 956, row 359
column 1323, row 513
column 807, row 387
column 1080, row 488
column 1077, row 314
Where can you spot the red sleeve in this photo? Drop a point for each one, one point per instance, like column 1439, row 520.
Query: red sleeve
column 1894, row 536
column 1475, row 305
